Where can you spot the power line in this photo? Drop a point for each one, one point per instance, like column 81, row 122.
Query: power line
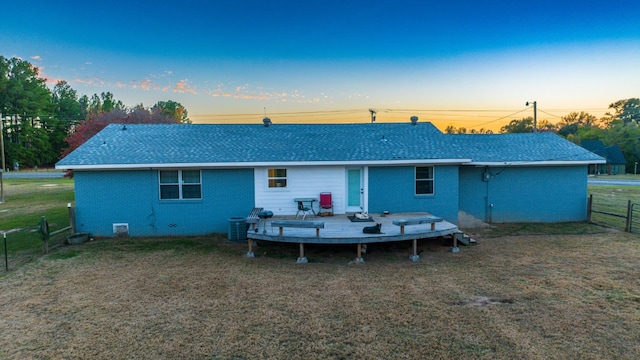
column 542, row 111
column 445, row 110
column 502, row 118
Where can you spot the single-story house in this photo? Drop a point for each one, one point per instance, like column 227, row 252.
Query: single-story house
column 615, row 160
column 190, row 179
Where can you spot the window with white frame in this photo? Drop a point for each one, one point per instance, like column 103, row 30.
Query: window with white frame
column 277, row 178
column 180, row 184
column 424, row 180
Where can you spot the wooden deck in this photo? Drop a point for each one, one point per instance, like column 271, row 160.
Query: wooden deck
column 338, row 229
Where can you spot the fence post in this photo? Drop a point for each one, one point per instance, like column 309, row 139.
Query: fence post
column 44, row 232
column 6, row 259
column 627, row 226
column 589, row 207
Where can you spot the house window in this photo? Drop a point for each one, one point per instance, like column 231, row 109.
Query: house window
column 424, row 180
column 277, row 178
column 180, row 184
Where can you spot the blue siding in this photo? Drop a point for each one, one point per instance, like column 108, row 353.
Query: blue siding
column 525, row 194
column 473, row 192
column 393, row 189
column 107, row 197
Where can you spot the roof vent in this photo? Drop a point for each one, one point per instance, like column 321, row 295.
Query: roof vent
column 266, row 122
column 414, row 120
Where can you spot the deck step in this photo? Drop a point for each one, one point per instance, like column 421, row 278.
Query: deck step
column 465, row 239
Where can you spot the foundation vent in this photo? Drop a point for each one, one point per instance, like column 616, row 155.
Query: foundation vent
column 121, row 230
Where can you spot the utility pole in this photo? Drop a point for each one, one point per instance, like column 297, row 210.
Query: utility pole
column 2, row 154
column 535, row 116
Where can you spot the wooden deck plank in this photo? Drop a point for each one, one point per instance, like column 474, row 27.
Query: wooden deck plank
column 339, row 229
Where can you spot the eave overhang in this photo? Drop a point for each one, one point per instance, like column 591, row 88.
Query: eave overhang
column 535, row 163
column 242, row 164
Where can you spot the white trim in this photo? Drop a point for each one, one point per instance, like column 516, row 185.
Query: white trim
column 180, row 185
column 365, row 188
column 535, row 163
column 276, row 178
column 415, row 162
column 156, row 166
column 361, row 189
column 433, row 181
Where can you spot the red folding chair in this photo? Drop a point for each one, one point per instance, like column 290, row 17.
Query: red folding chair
column 326, row 204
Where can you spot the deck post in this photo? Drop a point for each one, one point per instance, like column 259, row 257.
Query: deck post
column 359, row 259
column 433, row 226
column 455, row 248
column 250, row 253
column 415, row 257
column 401, row 229
column 302, row 259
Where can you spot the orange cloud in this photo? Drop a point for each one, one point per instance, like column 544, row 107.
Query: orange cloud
column 146, row 84
column 47, row 79
column 182, row 86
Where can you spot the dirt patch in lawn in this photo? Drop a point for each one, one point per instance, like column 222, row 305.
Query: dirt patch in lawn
column 529, row 297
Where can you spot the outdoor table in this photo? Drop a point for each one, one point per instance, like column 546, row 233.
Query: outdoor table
column 301, row 205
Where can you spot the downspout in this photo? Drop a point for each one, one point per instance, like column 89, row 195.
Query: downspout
column 488, row 207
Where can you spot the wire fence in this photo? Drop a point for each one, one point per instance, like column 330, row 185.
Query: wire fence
column 617, row 215
column 21, row 246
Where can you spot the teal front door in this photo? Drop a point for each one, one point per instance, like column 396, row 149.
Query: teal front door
column 354, row 190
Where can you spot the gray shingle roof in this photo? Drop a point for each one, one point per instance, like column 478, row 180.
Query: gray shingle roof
column 240, row 143
column 528, row 147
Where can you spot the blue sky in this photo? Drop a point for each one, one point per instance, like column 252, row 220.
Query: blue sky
column 460, row 63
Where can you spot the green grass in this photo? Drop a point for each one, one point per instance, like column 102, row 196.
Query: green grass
column 26, row 202
column 150, row 244
column 613, row 199
column 514, row 229
column 619, row 176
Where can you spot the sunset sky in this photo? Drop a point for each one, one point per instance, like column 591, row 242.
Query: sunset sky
column 462, row 63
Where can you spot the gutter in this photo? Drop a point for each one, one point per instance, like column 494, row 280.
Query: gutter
column 252, row 164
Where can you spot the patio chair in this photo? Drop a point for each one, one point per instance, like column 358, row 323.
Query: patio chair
column 326, row 204
column 304, row 209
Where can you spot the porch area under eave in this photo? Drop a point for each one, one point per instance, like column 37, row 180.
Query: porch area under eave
column 339, row 229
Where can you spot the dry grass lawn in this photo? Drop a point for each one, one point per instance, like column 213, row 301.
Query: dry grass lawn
column 509, row 297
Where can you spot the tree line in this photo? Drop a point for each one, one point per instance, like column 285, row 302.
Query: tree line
column 40, row 125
